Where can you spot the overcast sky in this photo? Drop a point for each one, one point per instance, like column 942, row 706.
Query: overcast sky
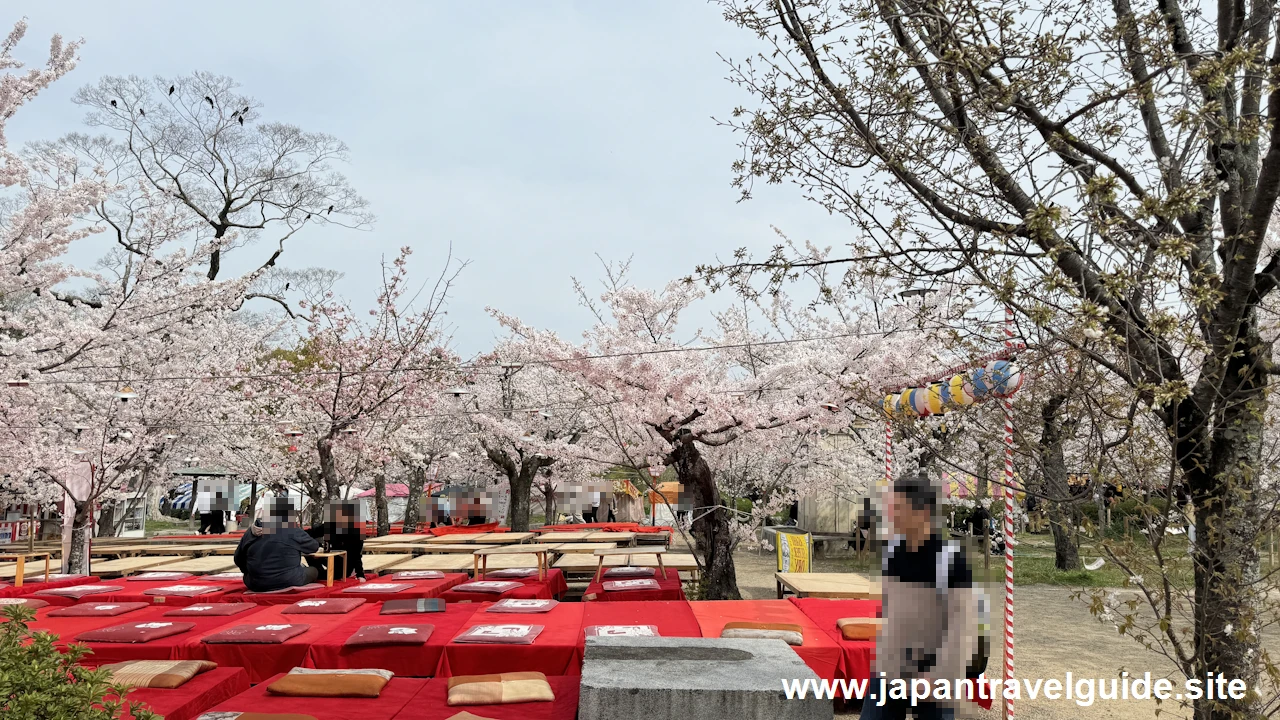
column 531, row 136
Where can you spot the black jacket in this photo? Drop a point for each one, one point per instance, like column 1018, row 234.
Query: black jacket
column 272, row 561
column 349, row 539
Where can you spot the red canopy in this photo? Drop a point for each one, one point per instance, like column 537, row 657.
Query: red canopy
column 393, row 490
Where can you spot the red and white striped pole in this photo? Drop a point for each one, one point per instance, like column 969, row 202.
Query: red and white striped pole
column 1008, row 524
column 888, row 451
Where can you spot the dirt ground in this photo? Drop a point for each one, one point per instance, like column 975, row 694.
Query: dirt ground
column 1055, row 634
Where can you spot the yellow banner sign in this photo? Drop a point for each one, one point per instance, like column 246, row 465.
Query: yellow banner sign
column 794, row 551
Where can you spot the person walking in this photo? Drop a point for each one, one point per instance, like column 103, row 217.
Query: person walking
column 931, row 620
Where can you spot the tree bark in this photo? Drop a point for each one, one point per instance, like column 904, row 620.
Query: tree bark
column 77, row 563
column 711, row 526
column 380, row 504
column 313, row 483
column 1061, row 508
column 417, row 483
column 521, row 492
column 107, row 520
column 328, row 466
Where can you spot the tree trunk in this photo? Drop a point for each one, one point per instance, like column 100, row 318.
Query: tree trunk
column 521, row 491
column 549, row 509
column 380, row 504
column 711, row 528
column 328, row 467
column 417, row 483
column 313, row 484
column 107, row 520
column 1061, row 508
column 77, row 563
column 1228, row 526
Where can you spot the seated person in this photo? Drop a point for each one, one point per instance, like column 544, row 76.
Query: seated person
column 344, row 533
column 270, row 554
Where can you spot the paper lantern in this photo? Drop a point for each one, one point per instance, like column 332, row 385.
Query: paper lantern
column 891, row 404
column 920, row 401
column 934, row 399
column 981, row 382
column 1004, row 379
column 904, row 406
column 960, row 391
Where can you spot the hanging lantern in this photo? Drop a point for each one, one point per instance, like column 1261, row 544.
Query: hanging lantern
column 348, row 431
column 458, row 391
column 170, row 437
column 831, row 407
column 17, row 383
column 546, row 414
column 1004, row 377
column 905, row 407
column 933, row 398
column 125, row 394
column 293, row 448
column 125, row 435
column 78, row 451
column 293, row 433
column 960, row 391
column 920, row 402
column 890, row 404
column 981, row 381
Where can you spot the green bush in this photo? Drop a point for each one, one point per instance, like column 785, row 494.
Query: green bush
column 38, row 682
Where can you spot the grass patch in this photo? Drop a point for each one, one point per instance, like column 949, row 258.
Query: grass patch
column 155, row 526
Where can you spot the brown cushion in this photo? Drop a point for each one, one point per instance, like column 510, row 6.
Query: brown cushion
column 160, row 575
column 184, row 590
column 418, row 575
column 167, row 674
column 786, row 632
column 505, row 634
column 630, row 572
column 79, row 591
column 378, row 588
column 622, row 585
column 622, row 631
column 33, row 603
column 499, row 689
column 513, row 605
column 405, row 634
column 496, row 587
column 464, row 715
column 93, row 609
column 407, row 607
column 266, row 634
column 306, row 682
column 323, row 606
column 859, row 628
column 213, row 609
column 138, row 632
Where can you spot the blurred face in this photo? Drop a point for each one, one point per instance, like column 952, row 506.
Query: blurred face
column 909, row 521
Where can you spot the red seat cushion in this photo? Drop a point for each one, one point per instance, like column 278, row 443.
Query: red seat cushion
column 390, row 635
column 212, row 609
column 630, row 585
column 138, row 632
column 267, row 634
column 523, row 605
column 159, row 575
column 486, row 586
column 500, row 634
column 378, row 588
column 324, row 606
column 407, row 607
column 93, row 609
column 184, row 590
column 418, row 575
column 79, row 591
column 33, row 603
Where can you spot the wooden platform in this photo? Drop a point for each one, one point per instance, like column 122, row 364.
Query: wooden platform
column 131, row 565
column 564, row 536
column 377, row 563
column 401, row 538
column 506, row 538
column 827, row 585
column 116, row 550
column 202, row 566
column 457, row 539
column 584, row 565
column 581, row 547
column 452, row 562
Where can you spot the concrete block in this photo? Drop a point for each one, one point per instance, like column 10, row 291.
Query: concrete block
column 640, row 678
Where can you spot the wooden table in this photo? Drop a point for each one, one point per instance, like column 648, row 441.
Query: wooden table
column 328, row 582
column 377, row 563
column 603, row 553
column 827, row 585
column 621, row 538
column 443, row 563
column 402, row 538
column 448, row 548
column 481, row 557
column 21, row 564
column 130, row 565
column 99, row 550
column 455, row 539
column 581, row 547
column 564, row 536
column 203, row 566
column 580, row 564
column 505, row 538
column 194, row 550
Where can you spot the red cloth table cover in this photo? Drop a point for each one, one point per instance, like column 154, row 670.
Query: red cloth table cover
column 261, row 660
column 607, row 527
column 856, row 655
column 668, row 589
column 554, row 580
column 535, row 589
column 418, row 589
column 673, row 619
column 288, row 598
column 36, row 583
column 394, row 697
column 431, row 703
column 819, row 651
column 556, row 651
column 466, row 529
column 328, row 651
column 194, row 697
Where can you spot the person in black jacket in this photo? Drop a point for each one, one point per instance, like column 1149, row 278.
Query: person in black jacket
column 343, row 533
column 270, row 554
